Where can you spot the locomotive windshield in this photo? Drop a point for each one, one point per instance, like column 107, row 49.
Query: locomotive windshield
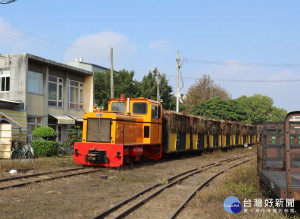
column 118, row 106
column 139, row 108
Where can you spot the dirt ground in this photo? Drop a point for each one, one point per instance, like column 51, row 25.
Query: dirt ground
column 85, row 196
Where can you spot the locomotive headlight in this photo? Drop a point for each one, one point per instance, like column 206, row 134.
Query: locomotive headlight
column 102, row 107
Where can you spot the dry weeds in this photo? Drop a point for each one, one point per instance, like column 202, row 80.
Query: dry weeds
column 242, row 182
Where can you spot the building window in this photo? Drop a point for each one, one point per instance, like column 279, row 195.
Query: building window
column 32, row 124
column 4, row 80
column 55, row 91
column 75, row 94
column 35, row 82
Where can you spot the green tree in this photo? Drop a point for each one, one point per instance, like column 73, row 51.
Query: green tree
column 256, row 109
column 102, row 88
column 219, row 108
column 148, row 89
column 123, row 84
column 277, row 114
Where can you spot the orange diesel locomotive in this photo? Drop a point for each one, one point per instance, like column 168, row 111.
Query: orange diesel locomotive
column 130, row 129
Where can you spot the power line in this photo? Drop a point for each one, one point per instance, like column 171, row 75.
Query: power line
column 241, row 81
column 236, row 63
column 259, row 81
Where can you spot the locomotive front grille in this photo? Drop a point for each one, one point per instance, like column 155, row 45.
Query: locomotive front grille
column 98, row 130
column 97, row 156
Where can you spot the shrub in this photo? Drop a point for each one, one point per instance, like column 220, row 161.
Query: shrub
column 44, row 148
column 45, row 132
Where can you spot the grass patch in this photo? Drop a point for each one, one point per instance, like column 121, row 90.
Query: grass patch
column 164, row 182
column 243, row 183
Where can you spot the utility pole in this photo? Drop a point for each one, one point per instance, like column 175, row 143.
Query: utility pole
column 158, row 86
column 177, row 88
column 111, row 73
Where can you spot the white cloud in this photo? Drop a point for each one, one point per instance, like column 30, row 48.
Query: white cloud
column 96, row 47
column 161, row 45
column 283, row 75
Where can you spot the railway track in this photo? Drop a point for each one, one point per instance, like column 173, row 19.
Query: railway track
column 23, row 180
column 188, row 182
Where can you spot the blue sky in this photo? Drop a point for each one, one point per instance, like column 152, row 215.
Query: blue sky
column 224, row 37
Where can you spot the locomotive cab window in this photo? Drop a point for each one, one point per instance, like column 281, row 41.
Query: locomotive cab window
column 155, row 111
column 118, row 106
column 139, row 108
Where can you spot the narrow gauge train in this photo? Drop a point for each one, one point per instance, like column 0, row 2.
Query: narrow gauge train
column 138, row 128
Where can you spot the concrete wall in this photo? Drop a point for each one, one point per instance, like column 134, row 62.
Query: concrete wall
column 35, row 105
column 88, row 93
column 18, row 69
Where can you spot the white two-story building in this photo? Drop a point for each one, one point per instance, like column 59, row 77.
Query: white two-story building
column 39, row 92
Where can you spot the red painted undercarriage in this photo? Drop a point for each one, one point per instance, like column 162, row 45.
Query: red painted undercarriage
column 113, row 155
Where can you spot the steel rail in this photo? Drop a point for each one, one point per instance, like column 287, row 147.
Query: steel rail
column 180, row 207
column 49, row 179
column 144, row 200
column 120, row 204
column 38, row 174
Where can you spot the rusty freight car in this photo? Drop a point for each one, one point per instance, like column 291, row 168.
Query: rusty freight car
column 279, row 157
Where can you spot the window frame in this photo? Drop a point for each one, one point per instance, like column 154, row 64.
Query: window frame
column 79, row 87
column 34, row 125
column 6, row 81
column 37, row 81
column 59, row 94
column 58, row 129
